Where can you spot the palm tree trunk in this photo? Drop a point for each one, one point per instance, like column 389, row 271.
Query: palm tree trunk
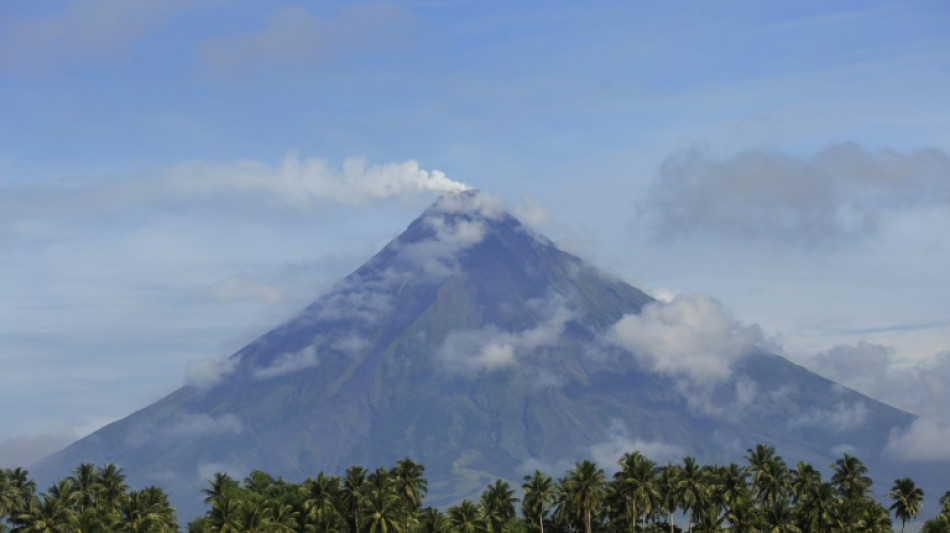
column 541, row 520
column 671, row 522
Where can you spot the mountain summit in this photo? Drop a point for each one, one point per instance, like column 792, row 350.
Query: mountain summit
column 477, row 347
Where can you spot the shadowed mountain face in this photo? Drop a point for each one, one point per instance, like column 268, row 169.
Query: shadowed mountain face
column 478, row 348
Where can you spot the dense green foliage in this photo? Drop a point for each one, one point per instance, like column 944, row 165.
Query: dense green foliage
column 763, row 496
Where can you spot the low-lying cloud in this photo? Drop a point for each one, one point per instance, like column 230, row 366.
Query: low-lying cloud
column 691, row 336
column 841, row 417
column 288, row 363
column 924, row 440
column 472, row 352
column 920, row 387
column 842, row 194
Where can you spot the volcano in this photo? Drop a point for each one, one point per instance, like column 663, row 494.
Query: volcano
column 477, row 347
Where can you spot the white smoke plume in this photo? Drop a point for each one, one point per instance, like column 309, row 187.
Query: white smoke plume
column 302, row 183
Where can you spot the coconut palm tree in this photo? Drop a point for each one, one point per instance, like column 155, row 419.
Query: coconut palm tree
column 48, row 514
column 538, row 495
column 769, row 474
column 465, row 517
column 585, row 488
column 354, row 492
column 850, row 478
column 908, row 500
column 498, row 506
column 410, row 486
column 691, row 489
column 668, row 488
column 321, row 498
column 636, row 483
column 431, row 520
column 383, row 513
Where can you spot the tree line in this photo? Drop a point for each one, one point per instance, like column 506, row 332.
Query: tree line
column 763, row 495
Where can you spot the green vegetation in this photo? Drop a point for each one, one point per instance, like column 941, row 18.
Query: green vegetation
column 763, row 496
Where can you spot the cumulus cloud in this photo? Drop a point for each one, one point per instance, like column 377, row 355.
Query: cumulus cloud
column 84, row 31
column 292, row 36
column 924, row 440
column 304, row 183
column 841, row 417
column 287, row 363
column 207, row 372
column 618, row 441
column 691, row 336
column 472, row 352
column 842, row 194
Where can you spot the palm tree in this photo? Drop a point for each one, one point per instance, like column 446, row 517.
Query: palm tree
column 668, row 488
column 744, row 516
column 221, row 485
column 498, row 506
column 148, row 511
column 49, row 514
column 410, row 486
column 637, row 485
column 769, row 474
column 585, row 488
column 539, row 495
column 432, row 520
column 111, row 492
column 465, row 517
column 226, row 515
column 691, row 489
column 354, row 489
column 383, row 513
column 908, row 500
column 850, row 478
column 816, row 506
column 320, row 501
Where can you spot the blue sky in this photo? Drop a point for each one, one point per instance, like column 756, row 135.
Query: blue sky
column 178, row 176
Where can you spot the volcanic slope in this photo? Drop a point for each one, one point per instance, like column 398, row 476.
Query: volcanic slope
column 478, row 348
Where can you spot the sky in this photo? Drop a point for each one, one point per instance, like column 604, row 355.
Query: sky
column 177, row 177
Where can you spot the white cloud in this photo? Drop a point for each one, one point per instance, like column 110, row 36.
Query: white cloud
column 841, row 417
column 842, row 194
column 471, row 352
column 207, row 372
column 287, row 363
column 293, row 37
column 691, row 336
column 472, row 202
column 875, row 370
column 924, row 440
column 304, row 183
column 618, row 441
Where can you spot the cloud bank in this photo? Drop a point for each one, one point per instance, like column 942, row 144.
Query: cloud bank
column 691, row 336
column 924, row 440
column 920, row 387
column 842, row 194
